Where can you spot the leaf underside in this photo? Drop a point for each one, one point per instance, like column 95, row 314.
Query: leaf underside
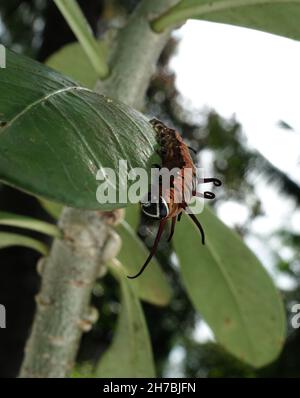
column 231, row 290
column 130, row 354
column 280, row 17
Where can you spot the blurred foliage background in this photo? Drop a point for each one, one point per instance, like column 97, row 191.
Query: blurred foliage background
column 36, row 28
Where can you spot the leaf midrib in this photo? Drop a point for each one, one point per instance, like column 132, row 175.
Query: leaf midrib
column 39, row 101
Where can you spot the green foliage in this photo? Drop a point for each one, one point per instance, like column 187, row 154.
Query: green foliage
column 56, row 135
column 232, row 291
column 280, row 17
column 132, row 216
column 130, row 354
column 79, row 25
column 16, row 220
column 8, row 239
column 72, row 62
column 52, row 208
column 213, row 361
column 83, row 371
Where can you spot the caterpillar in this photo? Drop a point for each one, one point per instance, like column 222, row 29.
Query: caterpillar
column 169, row 202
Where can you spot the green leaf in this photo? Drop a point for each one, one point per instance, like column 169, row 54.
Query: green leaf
column 82, row 30
column 231, row 290
column 53, row 208
column 71, row 61
column 130, row 354
column 16, row 220
column 8, row 239
column 280, row 17
column 56, row 135
column 152, row 285
column 132, row 216
column 83, row 370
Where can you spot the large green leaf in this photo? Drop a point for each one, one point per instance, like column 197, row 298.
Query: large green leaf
column 56, row 135
column 231, row 290
column 7, row 240
column 130, row 354
column 280, row 17
column 151, row 286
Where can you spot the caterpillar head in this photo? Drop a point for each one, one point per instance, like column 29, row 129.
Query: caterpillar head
column 155, row 207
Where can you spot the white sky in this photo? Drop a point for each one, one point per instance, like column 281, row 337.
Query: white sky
column 255, row 76
column 252, row 74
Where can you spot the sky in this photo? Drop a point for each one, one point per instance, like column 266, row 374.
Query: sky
column 251, row 74
column 254, row 76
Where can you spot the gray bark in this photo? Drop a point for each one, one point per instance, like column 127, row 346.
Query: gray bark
column 135, row 56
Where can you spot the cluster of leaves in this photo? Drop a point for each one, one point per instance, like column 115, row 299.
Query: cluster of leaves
column 243, row 308
column 31, row 122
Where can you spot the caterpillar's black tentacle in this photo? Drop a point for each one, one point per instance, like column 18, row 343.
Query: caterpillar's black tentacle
column 193, row 150
column 174, row 219
column 205, row 195
column 153, row 250
column 215, row 181
column 197, row 222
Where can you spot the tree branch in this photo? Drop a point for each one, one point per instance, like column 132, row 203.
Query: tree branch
column 75, row 261
column 136, row 53
column 68, row 276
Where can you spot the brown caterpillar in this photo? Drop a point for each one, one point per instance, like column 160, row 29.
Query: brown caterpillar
column 172, row 201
